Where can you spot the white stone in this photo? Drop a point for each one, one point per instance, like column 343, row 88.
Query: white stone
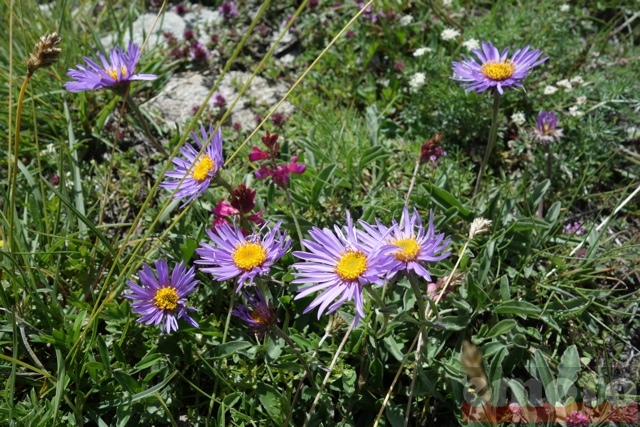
column 169, row 21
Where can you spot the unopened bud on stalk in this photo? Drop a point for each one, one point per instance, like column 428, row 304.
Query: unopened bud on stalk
column 45, row 53
column 479, row 226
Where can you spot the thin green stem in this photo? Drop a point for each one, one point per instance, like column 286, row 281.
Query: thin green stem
column 549, row 160
column 295, row 218
column 288, row 340
column 492, row 139
column 145, row 125
column 422, row 316
column 413, row 183
column 328, row 375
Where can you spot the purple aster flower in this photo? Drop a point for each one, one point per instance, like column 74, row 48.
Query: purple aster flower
column 494, row 69
column 339, row 265
column 412, row 245
column 192, row 176
column 259, row 314
column 114, row 75
column 163, row 300
column 245, row 257
column 547, row 127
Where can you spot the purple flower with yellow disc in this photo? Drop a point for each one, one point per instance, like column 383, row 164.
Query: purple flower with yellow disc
column 235, row 255
column 495, row 70
column 162, row 300
column 413, row 246
column 258, row 314
column 193, row 174
column 114, row 74
column 339, row 264
column 547, row 127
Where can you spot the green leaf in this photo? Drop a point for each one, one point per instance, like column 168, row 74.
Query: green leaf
column 546, row 377
column 321, row 181
column 539, row 192
column 502, row 327
column 272, row 402
column 517, row 307
column 495, row 374
column 568, row 370
column 232, row 347
column 505, row 291
column 446, row 200
column 393, row 347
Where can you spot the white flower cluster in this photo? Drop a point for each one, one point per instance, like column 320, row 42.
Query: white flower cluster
column 449, row 34
column 518, row 118
column 471, row 44
column 406, row 20
column 417, row 81
column 421, row 51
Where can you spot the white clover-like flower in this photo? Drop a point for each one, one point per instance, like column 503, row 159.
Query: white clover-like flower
column 518, row 118
column 421, row 51
column 449, row 34
column 550, row 90
column 566, row 84
column 575, row 112
column 565, row 8
column 447, row 3
column 471, row 44
column 578, row 80
column 406, row 20
column 417, row 81
column 581, row 100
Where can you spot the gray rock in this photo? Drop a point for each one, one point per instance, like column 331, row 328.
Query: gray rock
column 174, row 105
column 169, row 21
column 203, row 16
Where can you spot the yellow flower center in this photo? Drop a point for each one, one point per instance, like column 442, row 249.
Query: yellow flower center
column 249, row 255
column 409, row 249
column 260, row 315
column 498, row 71
column 202, row 168
column 351, row 265
column 166, row 298
column 114, row 74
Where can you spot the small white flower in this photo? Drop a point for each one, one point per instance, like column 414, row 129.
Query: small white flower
column 518, row 118
column 566, row 84
column 574, row 112
column 406, row 20
column 550, row 90
column 577, row 80
column 383, row 82
column 417, row 81
column 471, row 44
column 581, row 100
column 449, row 34
column 421, row 51
column 565, row 8
column 447, row 3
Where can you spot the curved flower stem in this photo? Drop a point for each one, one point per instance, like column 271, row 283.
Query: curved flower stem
column 288, row 340
column 326, row 377
column 145, row 125
column 413, row 182
column 13, row 171
column 295, row 218
column 223, row 183
column 492, row 139
column 423, row 316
